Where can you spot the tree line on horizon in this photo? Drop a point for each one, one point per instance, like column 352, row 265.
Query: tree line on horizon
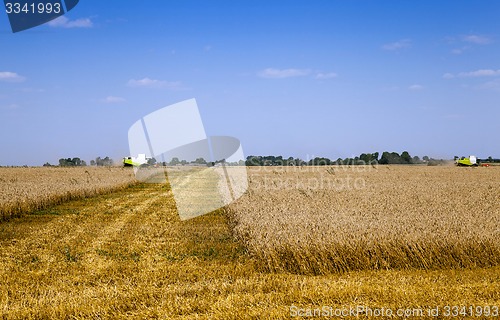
column 77, row 162
column 362, row 159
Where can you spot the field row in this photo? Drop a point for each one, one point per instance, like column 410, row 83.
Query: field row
column 24, row 190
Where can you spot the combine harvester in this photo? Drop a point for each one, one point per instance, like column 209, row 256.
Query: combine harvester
column 140, row 161
column 473, row 161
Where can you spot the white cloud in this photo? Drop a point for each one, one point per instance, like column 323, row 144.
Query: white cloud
column 63, row 22
column 491, row 85
column 416, row 87
column 152, row 83
column 113, row 99
column 272, row 73
column 324, row 76
column 11, row 77
column 473, row 74
column 459, row 50
column 476, row 39
column 480, row 73
column 401, row 44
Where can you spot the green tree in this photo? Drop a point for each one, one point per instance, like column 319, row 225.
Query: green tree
column 390, row 158
column 406, row 158
column 106, row 162
column 385, row 158
column 253, row 161
column 200, row 161
column 365, row 157
column 65, row 162
column 175, row 161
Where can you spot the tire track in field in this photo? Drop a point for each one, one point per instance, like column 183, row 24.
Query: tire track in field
column 123, row 237
column 106, row 214
column 124, row 217
column 79, row 233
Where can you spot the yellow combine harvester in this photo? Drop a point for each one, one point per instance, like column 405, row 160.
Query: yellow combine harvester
column 471, row 161
column 140, row 160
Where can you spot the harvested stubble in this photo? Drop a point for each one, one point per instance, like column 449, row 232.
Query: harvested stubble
column 323, row 220
column 24, row 190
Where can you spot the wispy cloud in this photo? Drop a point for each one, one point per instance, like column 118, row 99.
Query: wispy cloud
column 272, row 73
column 470, row 39
column 459, row 50
column 11, row 77
column 473, row 74
column 153, row 83
column 324, row 76
column 416, row 87
column 401, row 44
column 476, row 39
column 492, row 85
column 113, row 99
column 63, row 22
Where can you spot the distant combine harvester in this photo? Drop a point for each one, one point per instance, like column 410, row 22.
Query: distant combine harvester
column 140, row 161
column 473, row 161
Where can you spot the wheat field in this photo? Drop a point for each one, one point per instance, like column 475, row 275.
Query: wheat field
column 127, row 254
column 317, row 220
column 25, row 190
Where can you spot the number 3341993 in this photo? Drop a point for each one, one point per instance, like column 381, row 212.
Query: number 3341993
column 41, row 8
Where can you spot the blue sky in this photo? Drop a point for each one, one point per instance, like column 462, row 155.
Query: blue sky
column 291, row 78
